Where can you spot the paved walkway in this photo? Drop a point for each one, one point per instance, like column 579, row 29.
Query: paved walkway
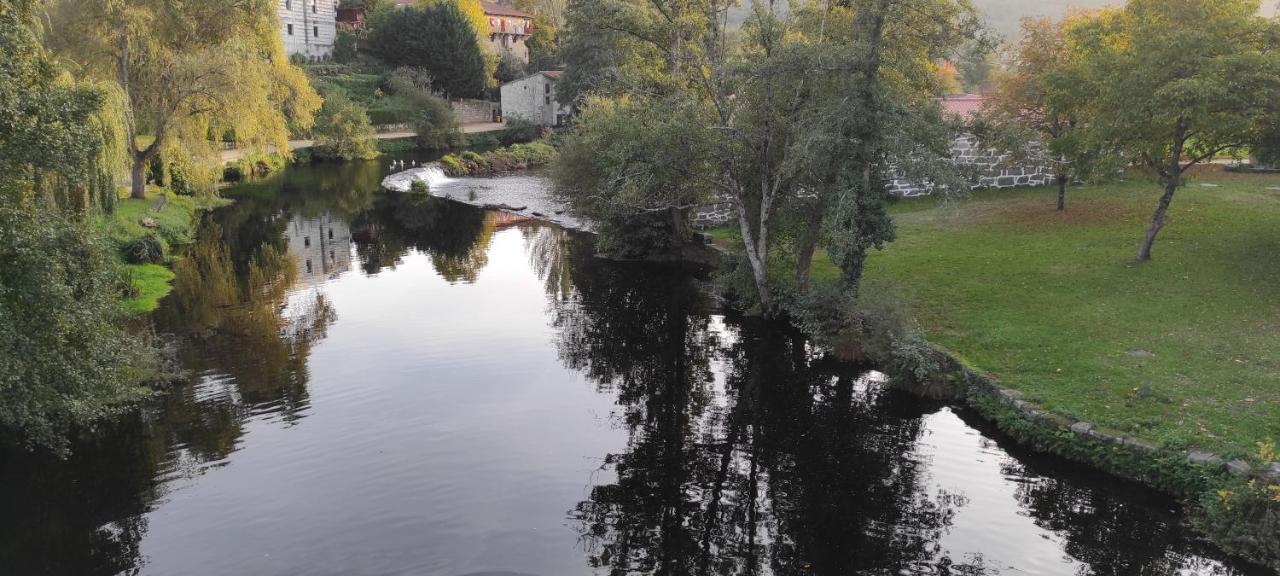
column 238, row 153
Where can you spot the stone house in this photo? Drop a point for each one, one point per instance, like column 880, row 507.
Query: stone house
column 320, row 246
column 509, row 29
column 534, row 99
column 308, row 27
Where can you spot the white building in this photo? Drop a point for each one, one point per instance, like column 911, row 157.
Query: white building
column 534, row 99
column 308, row 27
column 321, row 247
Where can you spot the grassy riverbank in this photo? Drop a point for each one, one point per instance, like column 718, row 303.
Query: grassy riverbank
column 170, row 222
column 1183, row 351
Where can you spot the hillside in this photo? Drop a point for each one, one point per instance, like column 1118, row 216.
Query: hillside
column 1004, row 15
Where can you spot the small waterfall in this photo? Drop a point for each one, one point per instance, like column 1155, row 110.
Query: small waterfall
column 430, row 173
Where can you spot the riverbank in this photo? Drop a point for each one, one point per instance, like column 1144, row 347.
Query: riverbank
column 1165, row 372
column 146, row 235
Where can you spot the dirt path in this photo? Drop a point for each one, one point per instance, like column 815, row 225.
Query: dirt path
column 238, row 153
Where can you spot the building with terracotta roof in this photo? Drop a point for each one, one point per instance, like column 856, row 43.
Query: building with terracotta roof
column 509, row 29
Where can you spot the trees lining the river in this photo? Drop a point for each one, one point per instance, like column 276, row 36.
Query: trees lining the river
column 187, row 75
column 794, row 119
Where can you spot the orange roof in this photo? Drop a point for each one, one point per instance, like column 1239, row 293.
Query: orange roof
column 552, row 74
column 495, row 9
column 963, row 106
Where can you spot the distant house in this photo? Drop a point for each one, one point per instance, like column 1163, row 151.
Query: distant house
column 308, row 27
column 509, row 29
column 351, row 19
column 534, row 99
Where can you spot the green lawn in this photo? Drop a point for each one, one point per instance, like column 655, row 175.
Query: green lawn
column 1183, row 350
column 151, row 282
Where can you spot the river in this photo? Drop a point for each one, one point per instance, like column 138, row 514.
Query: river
column 393, row 384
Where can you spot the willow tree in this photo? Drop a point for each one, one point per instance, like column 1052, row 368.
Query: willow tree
column 190, row 74
column 1173, row 83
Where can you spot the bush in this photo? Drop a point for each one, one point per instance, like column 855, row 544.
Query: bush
column 519, row 130
column 344, row 47
column 518, row 157
column 67, row 360
column 419, row 187
column 453, row 165
column 147, row 249
column 436, row 125
column 343, row 131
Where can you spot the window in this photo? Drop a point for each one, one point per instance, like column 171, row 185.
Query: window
column 288, row 5
column 331, row 233
column 313, row 6
column 306, row 241
column 308, row 266
column 546, row 88
column 291, row 29
column 315, row 31
column 547, row 99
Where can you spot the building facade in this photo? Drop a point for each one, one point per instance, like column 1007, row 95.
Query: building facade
column 321, row 247
column 308, row 27
column 534, row 99
column 509, row 29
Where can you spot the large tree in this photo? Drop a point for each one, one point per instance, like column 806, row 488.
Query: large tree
column 1039, row 91
column 1174, row 83
column 793, row 118
column 189, row 73
column 438, row 38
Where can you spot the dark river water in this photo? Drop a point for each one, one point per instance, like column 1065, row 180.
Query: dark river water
column 391, row 384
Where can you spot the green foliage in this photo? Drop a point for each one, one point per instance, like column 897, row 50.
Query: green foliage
column 544, row 47
column 55, row 144
column 146, row 249
column 439, row 39
column 150, row 283
column 517, row 157
column 67, row 361
column 343, row 131
column 1169, row 84
column 631, row 158
column 510, row 67
column 1061, row 320
column 344, row 46
column 186, row 71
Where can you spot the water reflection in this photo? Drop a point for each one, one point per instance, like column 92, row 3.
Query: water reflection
column 408, row 406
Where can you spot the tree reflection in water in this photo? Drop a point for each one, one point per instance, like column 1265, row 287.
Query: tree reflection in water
column 750, row 453
column 455, row 235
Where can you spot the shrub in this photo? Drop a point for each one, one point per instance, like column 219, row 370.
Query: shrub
column 68, row 361
column 453, row 165
column 147, row 249
column 344, row 47
column 519, row 130
column 419, row 187
column 343, row 131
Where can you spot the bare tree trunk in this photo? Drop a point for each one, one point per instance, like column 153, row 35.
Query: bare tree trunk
column 808, row 244
column 1158, row 221
column 138, row 176
column 1171, row 175
column 1062, row 192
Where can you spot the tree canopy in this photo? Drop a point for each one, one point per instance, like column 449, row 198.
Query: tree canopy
column 1170, row 84
column 190, row 74
column 438, row 38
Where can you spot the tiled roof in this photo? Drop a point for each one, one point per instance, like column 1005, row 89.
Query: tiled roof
column 552, row 74
column 964, row 106
column 495, row 9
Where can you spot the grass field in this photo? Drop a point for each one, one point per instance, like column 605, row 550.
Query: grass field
column 1183, row 350
column 174, row 226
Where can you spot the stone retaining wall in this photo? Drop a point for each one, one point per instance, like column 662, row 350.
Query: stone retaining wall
column 474, row 111
column 993, row 170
